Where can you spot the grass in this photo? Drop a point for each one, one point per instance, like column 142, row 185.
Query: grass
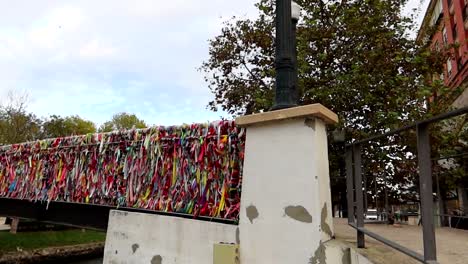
column 43, row 239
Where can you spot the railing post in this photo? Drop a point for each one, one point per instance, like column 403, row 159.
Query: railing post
column 359, row 195
column 425, row 182
column 350, row 184
column 387, row 208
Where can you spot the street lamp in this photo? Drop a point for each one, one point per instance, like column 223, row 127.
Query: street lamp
column 286, row 74
column 295, row 14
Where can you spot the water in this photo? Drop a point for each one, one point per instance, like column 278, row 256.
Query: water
column 92, row 261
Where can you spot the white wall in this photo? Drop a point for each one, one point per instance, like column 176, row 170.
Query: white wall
column 155, row 239
column 285, row 212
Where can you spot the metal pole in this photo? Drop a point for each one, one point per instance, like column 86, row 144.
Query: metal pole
column 425, row 181
column 375, row 187
column 286, row 91
column 359, row 195
column 387, row 209
column 350, row 184
column 365, row 191
column 439, row 201
column 296, row 68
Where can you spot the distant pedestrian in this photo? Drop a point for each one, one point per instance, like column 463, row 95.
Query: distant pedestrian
column 391, row 218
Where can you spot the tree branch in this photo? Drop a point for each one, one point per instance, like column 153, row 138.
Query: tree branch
column 252, row 74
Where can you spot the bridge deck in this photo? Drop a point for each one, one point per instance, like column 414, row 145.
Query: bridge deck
column 79, row 215
column 452, row 244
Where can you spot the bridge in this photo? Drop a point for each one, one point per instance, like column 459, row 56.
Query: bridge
column 173, row 194
column 189, row 171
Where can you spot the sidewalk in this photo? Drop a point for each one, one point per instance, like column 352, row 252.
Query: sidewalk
column 452, row 244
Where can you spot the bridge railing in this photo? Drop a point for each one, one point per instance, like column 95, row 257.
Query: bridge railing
column 355, row 193
column 192, row 170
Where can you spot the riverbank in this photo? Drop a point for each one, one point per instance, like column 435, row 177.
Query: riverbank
column 63, row 254
column 58, row 246
column 24, row 241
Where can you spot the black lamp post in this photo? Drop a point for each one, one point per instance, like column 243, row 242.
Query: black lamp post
column 286, row 74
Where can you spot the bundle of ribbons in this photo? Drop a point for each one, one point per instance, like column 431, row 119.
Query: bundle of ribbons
column 190, row 169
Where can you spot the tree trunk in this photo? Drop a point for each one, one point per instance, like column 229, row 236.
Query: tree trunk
column 463, row 199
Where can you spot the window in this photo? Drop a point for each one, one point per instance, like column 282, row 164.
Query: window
column 438, row 11
column 465, row 13
column 444, row 35
column 459, row 64
column 455, row 33
column 449, row 67
column 436, row 46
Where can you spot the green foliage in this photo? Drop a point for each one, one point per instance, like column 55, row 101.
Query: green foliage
column 16, row 124
column 43, row 239
column 450, row 140
column 355, row 57
column 122, row 121
column 57, row 126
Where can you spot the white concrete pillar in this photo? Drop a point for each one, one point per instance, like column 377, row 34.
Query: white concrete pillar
column 285, row 212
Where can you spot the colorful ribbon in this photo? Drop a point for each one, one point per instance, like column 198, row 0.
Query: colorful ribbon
column 191, row 169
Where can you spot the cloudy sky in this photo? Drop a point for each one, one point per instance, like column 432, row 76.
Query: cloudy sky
column 96, row 58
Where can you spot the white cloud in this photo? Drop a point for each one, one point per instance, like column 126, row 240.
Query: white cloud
column 97, row 58
column 49, row 31
column 95, row 49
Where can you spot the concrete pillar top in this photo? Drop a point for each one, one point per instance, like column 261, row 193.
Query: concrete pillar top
column 312, row 110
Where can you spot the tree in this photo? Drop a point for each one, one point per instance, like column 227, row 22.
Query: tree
column 57, row 126
column 355, row 57
column 122, row 121
column 16, row 125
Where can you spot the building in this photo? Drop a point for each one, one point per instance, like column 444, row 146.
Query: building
column 446, row 23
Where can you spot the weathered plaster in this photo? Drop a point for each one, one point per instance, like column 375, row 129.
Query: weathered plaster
column 325, row 227
column 310, row 122
column 252, row 213
column 285, row 170
column 346, row 258
column 319, row 256
column 298, row 213
column 156, row 260
column 135, row 247
column 162, row 239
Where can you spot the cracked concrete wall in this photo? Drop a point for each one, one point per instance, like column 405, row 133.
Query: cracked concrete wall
column 156, row 239
column 321, row 158
column 285, row 212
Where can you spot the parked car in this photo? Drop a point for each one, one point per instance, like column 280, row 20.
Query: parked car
column 371, row 214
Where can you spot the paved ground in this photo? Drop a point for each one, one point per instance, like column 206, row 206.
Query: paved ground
column 2, row 224
column 452, row 244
